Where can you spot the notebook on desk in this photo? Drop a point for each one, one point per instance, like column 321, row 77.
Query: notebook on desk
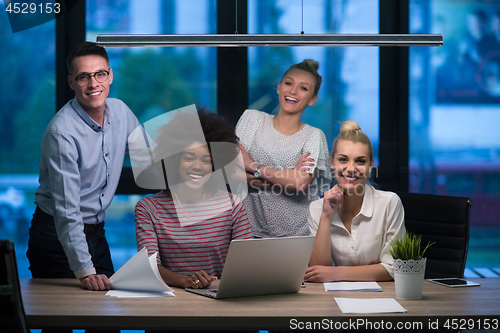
column 262, row 266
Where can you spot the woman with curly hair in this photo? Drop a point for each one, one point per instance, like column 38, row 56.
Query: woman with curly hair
column 191, row 223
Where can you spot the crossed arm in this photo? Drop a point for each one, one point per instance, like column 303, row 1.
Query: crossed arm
column 296, row 179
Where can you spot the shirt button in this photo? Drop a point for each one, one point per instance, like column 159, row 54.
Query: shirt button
column 102, row 194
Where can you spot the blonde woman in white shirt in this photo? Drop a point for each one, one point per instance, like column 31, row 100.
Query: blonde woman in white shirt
column 354, row 222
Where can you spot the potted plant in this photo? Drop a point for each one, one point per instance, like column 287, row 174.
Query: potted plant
column 409, row 265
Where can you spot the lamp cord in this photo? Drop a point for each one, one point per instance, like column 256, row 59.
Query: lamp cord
column 302, row 32
column 236, row 19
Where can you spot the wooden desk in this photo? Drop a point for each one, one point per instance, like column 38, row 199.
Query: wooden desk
column 62, row 303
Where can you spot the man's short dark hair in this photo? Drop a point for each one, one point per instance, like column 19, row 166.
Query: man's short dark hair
column 83, row 49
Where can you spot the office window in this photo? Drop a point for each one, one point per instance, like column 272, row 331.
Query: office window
column 350, row 88
column 455, row 112
column 491, row 183
column 27, row 89
column 153, row 80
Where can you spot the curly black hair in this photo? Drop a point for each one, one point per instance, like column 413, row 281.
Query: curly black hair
column 179, row 132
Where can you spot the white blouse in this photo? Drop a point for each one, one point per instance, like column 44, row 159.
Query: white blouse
column 380, row 219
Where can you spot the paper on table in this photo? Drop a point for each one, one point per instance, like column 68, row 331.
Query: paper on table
column 129, row 294
column 352, row 286
column 139, row 274
column 371, row 305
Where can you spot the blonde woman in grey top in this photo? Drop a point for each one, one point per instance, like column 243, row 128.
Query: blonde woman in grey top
column 286, row 161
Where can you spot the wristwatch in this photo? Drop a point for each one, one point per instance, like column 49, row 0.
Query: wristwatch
column 256, row 173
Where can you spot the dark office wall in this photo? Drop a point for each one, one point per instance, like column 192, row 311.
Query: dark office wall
column 232, row 62
column 70, row 30
column 393, row 172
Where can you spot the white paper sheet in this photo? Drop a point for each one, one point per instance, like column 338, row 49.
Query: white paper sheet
column 371, row 305
column 139, row 274
column 352, row 286
column 129, row 294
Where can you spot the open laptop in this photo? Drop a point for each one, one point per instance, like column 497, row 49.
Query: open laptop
column 262, row 266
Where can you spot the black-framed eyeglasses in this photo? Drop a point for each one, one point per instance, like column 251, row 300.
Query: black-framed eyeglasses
column 84, row 79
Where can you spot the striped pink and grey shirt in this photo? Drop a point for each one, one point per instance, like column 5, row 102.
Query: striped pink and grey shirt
column 199, row 244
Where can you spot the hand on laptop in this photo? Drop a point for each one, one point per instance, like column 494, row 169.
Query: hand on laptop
column 199, row 279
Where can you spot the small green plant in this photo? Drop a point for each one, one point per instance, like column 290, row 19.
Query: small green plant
column 407, row 247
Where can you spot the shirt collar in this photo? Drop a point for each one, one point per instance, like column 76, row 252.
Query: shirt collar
column 88, row 120
column 367, row 205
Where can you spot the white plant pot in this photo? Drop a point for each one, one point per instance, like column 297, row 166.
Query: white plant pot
column 409, row 278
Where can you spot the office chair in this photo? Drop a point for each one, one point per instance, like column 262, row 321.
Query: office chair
column 444, row 220
column 12, row 315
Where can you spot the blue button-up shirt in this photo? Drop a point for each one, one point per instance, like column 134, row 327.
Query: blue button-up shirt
column 79, row 172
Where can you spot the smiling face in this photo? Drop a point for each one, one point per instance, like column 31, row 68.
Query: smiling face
column 195, row 166
column 351, row 164
column 92, row 97
column 296, row 91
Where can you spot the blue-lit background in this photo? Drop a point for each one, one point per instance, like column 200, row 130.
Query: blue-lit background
column 455, row 112
column 454, row 95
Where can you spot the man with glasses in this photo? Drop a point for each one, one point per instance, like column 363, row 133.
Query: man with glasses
column 83, row 149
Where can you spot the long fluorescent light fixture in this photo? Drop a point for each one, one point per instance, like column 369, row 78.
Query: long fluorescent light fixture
column 223, row 40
